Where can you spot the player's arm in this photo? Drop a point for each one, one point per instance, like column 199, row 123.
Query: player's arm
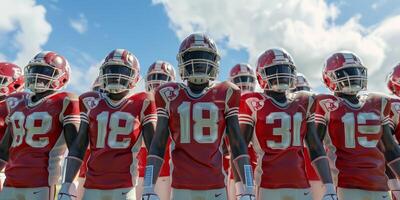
column 4, row 148
column 70, row 118
column 240, row 157
column 157, row 148
column 392, row 150
column 77, row 149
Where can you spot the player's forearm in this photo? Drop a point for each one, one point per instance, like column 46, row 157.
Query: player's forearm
column 244, row 170
column 73, row 165
column 152, row 172
column 321, row 166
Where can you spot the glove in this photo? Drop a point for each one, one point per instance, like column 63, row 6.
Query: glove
column 149, row 194
column 242, row 194
column 330, row 192
column 67, row 192
column 394, row 186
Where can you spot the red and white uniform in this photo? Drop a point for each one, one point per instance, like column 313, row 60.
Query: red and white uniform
column 353, row 132
column 115, row 136
column 279, row 131
column 3, row 115
column 197, row 126
column 38, row 142
column 395, row 116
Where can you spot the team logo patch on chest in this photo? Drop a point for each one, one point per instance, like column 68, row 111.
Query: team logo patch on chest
column 91, row 102
column 255, row 103
column 170, row 93
column 12, row 102
column 396, row 107
column 330, row 104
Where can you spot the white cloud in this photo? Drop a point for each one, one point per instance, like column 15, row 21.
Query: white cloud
column 80, row 24
column 24, row 23
column 306, row 28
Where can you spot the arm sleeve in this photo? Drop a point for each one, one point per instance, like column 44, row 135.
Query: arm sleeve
column 245, row 112
column 232, row 101
column 70, row 110
column 320, row 113
column 162, row 103
column 148, row 112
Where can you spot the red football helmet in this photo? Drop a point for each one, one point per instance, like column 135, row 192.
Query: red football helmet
column 11, row 78
column 276, row 70
column 344, row 72
column 159, row 73
column 198, row 59
column 243, row 76
column 96, row 85
column 393, row 80
column 301, row 83
column 47, row 71
column 119, row 71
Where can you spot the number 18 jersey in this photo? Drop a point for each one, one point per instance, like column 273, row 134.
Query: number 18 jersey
column 115, row 137
column 197, row 126
column 353, row 133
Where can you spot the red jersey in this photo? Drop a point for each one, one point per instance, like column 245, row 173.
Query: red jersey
column 279, row 131
column 3, row 115
column 395, row 116
column 353, row 132
column 197, row 126
column 114, row 137
column 38, row 143
column 83, row 169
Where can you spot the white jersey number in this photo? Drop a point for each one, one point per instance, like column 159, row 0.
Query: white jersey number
column 25, row 128
column 111, row 124
column 350, row 128
column 285, row 129
column 199, row 122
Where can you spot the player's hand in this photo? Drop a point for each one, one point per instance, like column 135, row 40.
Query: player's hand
column 330, row 192
column 150, row 196
column 396, row 194
column 67, row 192
column 394, row 186
column 330, row 197
column 246, row 197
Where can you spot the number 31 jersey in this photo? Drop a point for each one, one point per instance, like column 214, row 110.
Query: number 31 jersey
column 353, row 133
column 38, row 143
column 114, row 137
column 197, row 126
column 279, row 131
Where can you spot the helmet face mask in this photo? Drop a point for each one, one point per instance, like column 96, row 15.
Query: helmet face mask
column 279, row 78
column 245, row 82
column 350, row 80
column 41, row 78
column 199, row 66
column 117, row 78
column 154, row 80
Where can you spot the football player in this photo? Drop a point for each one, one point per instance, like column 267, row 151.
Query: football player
column 40, row 125
column 278, row 127
column 352, row 127
column 312, row 176
column 113, row 123
column 243, row 76
column 159, row 72
column 11, row 81
column 195, row 116
column 393, row 83
column 96, row 87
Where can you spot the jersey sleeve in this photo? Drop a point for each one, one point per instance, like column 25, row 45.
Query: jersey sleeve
column 232, row 101
column 320, row 111
column 148, row 112
column 386, row 112
column 162, row 102
column 246, row 112
column 70, row 110
column 84, row 107
column 311, row 108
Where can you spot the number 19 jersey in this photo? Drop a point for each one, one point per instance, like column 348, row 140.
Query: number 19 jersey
column 197, row 125
column 115, row 137
column 279, row 131
column 353, row 133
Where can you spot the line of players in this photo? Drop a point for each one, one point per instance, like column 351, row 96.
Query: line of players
column 193, row 121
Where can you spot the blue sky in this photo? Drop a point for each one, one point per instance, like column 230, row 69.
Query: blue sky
column 85, row 31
